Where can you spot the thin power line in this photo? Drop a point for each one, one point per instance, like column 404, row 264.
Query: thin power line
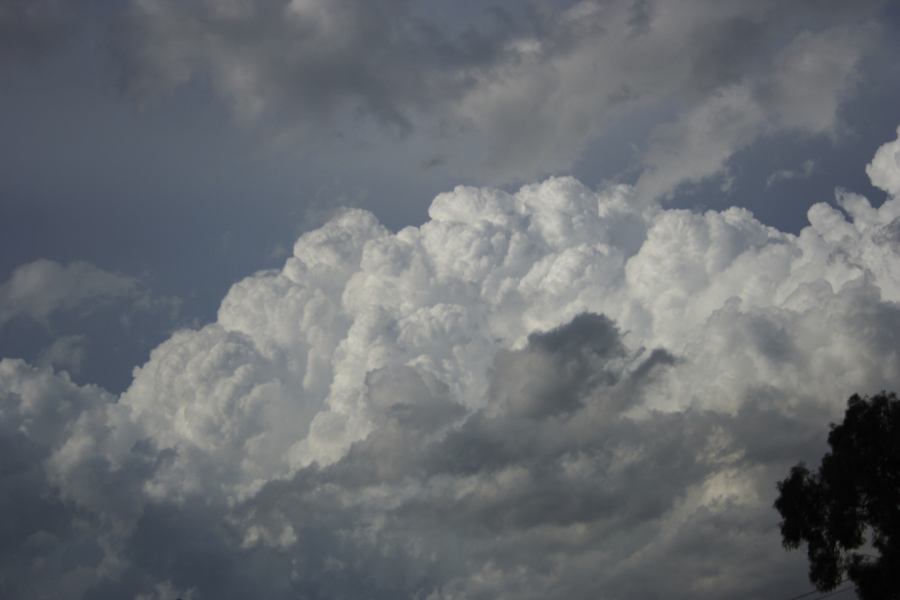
column 803, row 595
column 835, row 592
column 826, row 595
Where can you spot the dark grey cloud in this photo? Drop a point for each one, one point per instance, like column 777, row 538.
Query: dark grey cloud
column 46, row 541
column 309, row 59
column 531, row 86
column 507, row 92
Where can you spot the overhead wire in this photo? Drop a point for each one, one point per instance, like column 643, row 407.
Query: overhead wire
column 835, row 592
column 803, row 595
column 825, row 595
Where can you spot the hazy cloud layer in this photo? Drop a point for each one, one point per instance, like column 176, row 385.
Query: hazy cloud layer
column 557, row 393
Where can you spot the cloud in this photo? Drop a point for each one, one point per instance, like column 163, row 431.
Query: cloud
column 305, row 57
column 46, row 549
column 65, row 353
column 801, row 92
column 514, row 93
column 553, row 393
column 496, row 95
column 788, row 174
column 43, row 288
column 884, row 170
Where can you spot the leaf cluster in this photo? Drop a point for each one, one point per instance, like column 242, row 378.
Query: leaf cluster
column 848, row 512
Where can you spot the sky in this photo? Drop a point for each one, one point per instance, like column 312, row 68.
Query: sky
column 420, row 299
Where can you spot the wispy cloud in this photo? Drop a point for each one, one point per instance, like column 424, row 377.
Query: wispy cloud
column 780, row 175
column 45, row 288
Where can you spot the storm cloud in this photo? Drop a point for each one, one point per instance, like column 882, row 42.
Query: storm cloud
column 553, row 393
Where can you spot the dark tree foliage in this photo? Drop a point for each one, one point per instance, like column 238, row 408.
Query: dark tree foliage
column 848, row 512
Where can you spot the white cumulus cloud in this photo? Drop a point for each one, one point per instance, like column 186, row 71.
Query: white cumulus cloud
column 884, row 170
column 553, row 393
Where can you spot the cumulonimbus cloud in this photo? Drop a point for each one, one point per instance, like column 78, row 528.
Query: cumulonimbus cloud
column 557, row 393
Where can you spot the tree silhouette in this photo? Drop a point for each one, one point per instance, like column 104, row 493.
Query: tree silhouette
column 848, row 512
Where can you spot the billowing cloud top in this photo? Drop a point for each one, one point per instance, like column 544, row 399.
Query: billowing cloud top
column 557, row 393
